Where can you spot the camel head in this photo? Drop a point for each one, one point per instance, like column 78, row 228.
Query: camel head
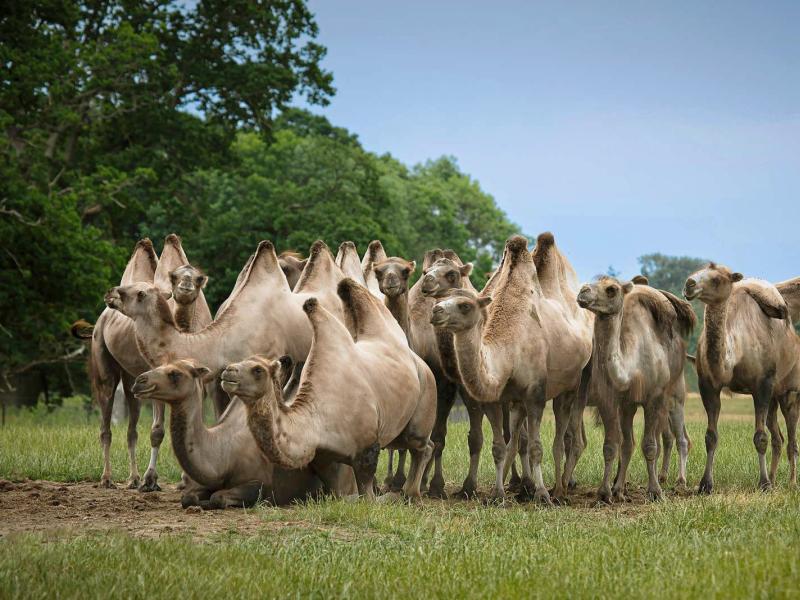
column 604, row 296
column 140, row 300
column 256, row 376
column 172, row 383
column 711, row 285
column 460, row 310
column 442, row 276
column 392, row 274
column 292, row 265
column 187, row 281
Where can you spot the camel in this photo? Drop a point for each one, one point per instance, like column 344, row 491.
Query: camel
column 292, row 265
column 175, row 274
column 223, row 460
column 523, row 349
column 374, row 254
column 359, row 392
column 347, row 260
column 262, row 316
column 114, row 356
column 638, row 358
column 749, row 346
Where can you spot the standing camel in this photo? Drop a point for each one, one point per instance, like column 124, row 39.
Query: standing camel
column 638, row 359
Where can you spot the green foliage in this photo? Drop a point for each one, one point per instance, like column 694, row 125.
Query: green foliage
column 669, row 272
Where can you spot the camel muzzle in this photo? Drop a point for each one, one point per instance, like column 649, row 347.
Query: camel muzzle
column 141, row 385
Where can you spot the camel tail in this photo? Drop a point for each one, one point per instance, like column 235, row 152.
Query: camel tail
column 82, row 330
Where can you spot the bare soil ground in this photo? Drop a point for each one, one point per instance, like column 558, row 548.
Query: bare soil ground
column 48, row 506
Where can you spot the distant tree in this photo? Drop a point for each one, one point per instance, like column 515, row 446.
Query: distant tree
column 669, row 272
column 612, row 272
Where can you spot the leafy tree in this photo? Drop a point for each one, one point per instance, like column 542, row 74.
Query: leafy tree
column 669, row 272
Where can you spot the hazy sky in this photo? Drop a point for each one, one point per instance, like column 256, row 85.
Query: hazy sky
column 623, row 128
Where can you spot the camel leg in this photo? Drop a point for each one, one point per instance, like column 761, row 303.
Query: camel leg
column 106, row 406
column 776, row 437
column 628, row 410
column 365, row 463
column 150, row 483
column 195, row 495
column 516, row 418
column 711, row 403
column 664, row 443
column 445, row 398
column 134, row 409
column 761, row 401
column 535, row 409
column 653, row 425
column 561, row 409
column 609, row 414
column 387, row 482
column 399, row 478
column 790, row 407
column 419, row 458
column 678, row 431
column 514, row 482
column 242, row 496
column 575, row 442
column 475, row 443
column 494, row 413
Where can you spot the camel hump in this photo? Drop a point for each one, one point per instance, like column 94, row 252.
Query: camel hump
column 686, row 317
column 142, row 264
column 173, row 239
column 431, row 256
column 790, row 290
column 82, row 330
column 768, row 298
column 452, row 256
column 657, row 304
column 517, row 249
column 310, row 306
column 347, row 260
column 172, row 257
column 320, row 270
column 362, row 314
column 374, row 254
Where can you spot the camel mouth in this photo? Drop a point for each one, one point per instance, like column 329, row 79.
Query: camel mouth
column 584, row 302
column 139, row 391
column 429, row 290
column 691, row 294
column 439, row 320
column 393, row 290
column 229, row 385
column 113, row 301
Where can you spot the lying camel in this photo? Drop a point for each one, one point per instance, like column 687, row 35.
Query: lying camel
column 749, row 346
column 224, row 460
column 358, row 393
column 638, row 359
column 524, row 349
column 114, row 356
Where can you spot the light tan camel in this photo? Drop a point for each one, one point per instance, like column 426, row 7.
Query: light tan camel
column 263, row 316
column 223, row 461
column 638, row 359
column 292, row 265
column 523, row 350
column 358, row 393
column 747, row 345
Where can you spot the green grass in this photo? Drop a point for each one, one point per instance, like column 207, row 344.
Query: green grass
column 736, row 543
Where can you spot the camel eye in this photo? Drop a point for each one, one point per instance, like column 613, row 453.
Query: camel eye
column 611, row 291
column 174, row 376
column 141, row 295
column 451, row 277
column 465, row 307
column 258, row 371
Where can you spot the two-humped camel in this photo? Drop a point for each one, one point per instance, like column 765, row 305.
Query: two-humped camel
column 114, row 355
column 748, row 345
column 362, row 389
column 224, row 459
column 638, row 359
column 524, row 349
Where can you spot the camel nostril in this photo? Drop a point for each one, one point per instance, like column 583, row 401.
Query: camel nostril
column 690, row 283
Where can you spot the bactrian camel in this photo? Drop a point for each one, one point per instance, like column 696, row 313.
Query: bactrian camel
column 748, row 345
column 638, row 358
column 361, row 390
column 223, row 461
column 524, row 349
column 114, row 356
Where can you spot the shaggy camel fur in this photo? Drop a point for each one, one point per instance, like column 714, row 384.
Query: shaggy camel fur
column 638, row 359
column 525, row 349
column 224, row 460
column 747, row 345
column 358, row 393
column 262, row 316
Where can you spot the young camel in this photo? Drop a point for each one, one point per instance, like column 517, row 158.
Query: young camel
column 524, row 349
column 262, row 316
column 114, row 356
column 224, row 459
column 638, row 359
column 358, row 393
column 749, row 346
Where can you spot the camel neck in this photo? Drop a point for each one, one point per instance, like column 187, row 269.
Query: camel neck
column 194, row 445
column 715, row 322
column 185, row 316
column 608, row 344
column 282, row 434
column 472, row 356
column 398, row 306
column 445, row 344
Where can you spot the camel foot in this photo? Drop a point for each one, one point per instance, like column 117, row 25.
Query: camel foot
column 706, row 487
column 437, row 492
column 662, row 478
column 133, row 483
column 680, row 485
column 765, row 486
column 150, row 483
column 468, row 490
column 388, row 498
column 542, row 497
column 397, row 482
column 106, row 482
column 558, row 497
column 497, row 497
column 514, row 483
column 572, row 485
column 618, row 495
column 526, row 491
column 655, row 495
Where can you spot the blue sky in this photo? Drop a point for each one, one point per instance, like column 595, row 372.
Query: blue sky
column 625, row 128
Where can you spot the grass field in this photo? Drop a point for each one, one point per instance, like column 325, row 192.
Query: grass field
column 736, row 543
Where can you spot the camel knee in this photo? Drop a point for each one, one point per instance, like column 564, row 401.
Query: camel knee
column 366, row 462
column 105, row 436
column 650, row 450
column 498, row 452
column 609, row 452
column 777, row 443
column 711, row 440
column 156, row 437
column 760, row 441
column 475, row 442
column 133, row 435
column 536, row 451
column 791, row 448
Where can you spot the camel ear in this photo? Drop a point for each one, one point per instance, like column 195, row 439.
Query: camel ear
column 736, row 277
column 200, row 372
column 484, row 301
column 283, row 369
column 412, row 266
column 627, row 287
column 202, row 280
column 466, row 269
column 640, row 280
